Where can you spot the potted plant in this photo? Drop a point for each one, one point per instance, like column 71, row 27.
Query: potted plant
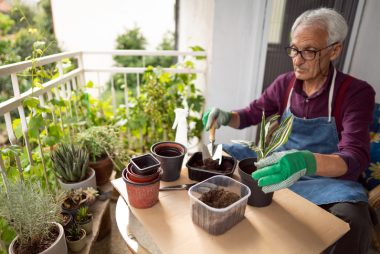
column 76, row 238
column 65, row 219
column 272, row 136
column 103, row 145
column 32, row 214
column 84, row 219
column 70, row 165
column 71, row 200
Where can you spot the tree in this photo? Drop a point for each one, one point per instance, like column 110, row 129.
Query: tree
column 22, row 27
column 134, row 39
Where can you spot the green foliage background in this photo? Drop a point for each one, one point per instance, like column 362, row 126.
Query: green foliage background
column 19, row 30
column 151, row 111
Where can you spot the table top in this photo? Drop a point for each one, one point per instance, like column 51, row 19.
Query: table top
column 291, row 224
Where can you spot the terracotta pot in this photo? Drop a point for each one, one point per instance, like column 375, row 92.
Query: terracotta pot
column 58, row 247
column 76, row 246
column 258, row 198
column 171, row 155
column 142, row 195
column 103, row 169
column 89, row 182
column 135, row 177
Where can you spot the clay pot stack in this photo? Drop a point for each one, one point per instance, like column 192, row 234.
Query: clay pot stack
column 142, row 177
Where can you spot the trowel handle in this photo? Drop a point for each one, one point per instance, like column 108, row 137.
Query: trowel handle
column 212, row 132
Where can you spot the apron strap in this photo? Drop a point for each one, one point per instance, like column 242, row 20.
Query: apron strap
column 337, row 112
column 288, row 89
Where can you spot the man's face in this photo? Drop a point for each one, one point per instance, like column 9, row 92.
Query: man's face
column 311, row 38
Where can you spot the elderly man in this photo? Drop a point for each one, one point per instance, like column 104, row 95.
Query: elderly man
column 329, row 145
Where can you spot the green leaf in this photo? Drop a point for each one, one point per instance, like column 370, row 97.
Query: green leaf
column 16, row 124
column 50, row 140
column 59, row 103
column 281, row 135
column 35, row 123
column 262, row 132
column 31, row 102
column 12, row 149
column 198, row 49
column 90, row 84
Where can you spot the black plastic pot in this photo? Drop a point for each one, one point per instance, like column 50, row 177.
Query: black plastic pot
column 258, row 198
column 170, row 154
column 145, row 164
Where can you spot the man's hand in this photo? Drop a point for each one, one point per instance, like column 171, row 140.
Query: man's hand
column 282, row 169
column 221, row 118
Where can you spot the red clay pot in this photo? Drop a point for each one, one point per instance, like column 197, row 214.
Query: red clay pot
column 103, row 170
column 138, row 178
column 141, row 195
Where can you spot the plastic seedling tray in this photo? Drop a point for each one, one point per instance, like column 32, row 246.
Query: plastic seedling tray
column 198, row 172
column 145, row 164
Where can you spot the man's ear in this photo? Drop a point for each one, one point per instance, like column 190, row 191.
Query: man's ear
column 335, row 51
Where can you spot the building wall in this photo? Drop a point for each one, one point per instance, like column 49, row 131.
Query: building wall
column 365, row 62
column 231, row 32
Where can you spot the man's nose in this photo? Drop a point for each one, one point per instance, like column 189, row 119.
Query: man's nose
column 298, row 60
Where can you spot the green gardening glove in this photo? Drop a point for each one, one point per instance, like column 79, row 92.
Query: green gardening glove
column 221, row 118
column 282, row 169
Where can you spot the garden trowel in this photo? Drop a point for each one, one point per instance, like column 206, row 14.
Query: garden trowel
column 216, row 151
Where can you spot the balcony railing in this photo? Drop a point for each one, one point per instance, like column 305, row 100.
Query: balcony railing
column 63, row 86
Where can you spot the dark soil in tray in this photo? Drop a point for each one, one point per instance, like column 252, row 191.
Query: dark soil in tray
column 199, row 171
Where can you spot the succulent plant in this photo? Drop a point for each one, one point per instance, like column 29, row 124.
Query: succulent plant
column 74, row 233
column 83, row 214
column 70, row 163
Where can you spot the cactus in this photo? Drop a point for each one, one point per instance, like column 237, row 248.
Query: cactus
column 83, row 214
column 70, row 163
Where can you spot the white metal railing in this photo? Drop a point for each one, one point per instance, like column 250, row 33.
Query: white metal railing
column 65, row 83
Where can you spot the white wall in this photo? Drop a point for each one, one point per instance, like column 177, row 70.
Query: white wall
column 195, row 28
column 366, row 55
column 232, row 35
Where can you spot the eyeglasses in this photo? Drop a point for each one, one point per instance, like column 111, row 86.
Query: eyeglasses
column 307, row 54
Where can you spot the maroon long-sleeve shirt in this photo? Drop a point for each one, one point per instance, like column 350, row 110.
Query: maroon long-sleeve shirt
column 356, row 114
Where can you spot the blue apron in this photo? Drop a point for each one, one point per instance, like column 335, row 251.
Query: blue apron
column 318, row 135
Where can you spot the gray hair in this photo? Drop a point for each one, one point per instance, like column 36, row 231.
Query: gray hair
column 328, row 19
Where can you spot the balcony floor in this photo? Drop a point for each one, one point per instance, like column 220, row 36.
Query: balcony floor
column 113, row 243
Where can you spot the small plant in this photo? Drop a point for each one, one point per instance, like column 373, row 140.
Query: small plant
column 29, row 210
column 70, row 163
column 100, row 142
column 74, row 233
column 272, row 136
column 72, row 199
column 65, row 219
column 91, row 194
column 83, row 215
